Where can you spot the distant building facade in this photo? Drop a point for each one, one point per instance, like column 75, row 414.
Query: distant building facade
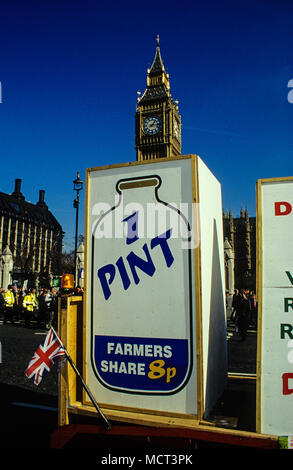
column 240, row 250
column 31, row 235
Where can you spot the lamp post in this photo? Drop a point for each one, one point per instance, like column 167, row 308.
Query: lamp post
column 77, row 186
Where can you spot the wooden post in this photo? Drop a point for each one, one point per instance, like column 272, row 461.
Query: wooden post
column 63, row 380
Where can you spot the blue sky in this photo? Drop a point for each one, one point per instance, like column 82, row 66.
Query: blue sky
column 70, row 71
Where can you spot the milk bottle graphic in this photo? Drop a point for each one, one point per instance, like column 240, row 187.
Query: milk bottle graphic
column 142, row 326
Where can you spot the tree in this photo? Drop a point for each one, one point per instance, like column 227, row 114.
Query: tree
column 67, row 262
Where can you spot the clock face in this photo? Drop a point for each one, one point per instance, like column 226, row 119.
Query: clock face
column 152, row 125
column 176, row 129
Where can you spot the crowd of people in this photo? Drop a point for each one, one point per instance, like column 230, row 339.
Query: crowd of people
column 243, row 311
column 26, row 305
column 17, row 305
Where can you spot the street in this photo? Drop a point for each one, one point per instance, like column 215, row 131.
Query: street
column 28, row 413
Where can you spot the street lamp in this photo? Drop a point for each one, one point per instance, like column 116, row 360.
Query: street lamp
column 77, row 186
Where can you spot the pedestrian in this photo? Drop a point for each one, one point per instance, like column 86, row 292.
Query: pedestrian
column 42, row 307
column 50, row 301
column 235, row 304
column 2, row 303
column 36, row 303
column 9, row 303
column 253, row 304
column 228, row 306
column 243, row 314
column 78, row 291
column 29, row 304
column 18, row 303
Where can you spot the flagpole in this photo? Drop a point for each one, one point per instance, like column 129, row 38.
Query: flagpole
column 108, row 425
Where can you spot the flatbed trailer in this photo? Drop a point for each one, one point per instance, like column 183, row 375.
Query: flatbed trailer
column 81, row 426
column 138, row 437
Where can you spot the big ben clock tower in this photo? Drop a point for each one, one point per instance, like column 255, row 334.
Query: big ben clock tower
column 157, row 120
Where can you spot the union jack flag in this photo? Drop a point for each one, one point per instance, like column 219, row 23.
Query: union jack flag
column 42, row 361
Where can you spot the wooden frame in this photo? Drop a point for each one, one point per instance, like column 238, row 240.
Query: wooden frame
column 69, row 321
column 145, row 414
column 130, row 414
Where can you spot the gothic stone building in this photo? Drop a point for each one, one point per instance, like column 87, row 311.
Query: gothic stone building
column 158, row 135
column 157, row 120
column 31, row 234
column 240, row 250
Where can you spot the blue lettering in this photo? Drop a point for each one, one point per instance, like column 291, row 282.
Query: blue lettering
column 146, row 266
column 162, row 241
column 108, row 269
column 123, row 273
column 132, row 228
column 106, row 274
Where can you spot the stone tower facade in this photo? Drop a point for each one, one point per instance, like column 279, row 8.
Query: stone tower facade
column 157, row 119
column 240, row 238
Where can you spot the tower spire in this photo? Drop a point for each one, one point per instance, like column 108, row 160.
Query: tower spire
column 158, row 123
column 157, row 67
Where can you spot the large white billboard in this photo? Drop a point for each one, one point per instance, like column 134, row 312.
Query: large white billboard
column 143, row 309
column 275, row 296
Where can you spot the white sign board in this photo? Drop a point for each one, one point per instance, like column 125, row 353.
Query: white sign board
column 275, row 295
column 143, row 304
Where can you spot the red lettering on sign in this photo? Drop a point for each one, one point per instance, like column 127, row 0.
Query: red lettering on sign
column 282, row 208
column 286, row 389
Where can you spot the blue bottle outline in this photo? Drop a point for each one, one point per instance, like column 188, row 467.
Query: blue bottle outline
column 191, row 333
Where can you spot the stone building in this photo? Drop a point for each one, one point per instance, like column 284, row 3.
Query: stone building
column 157, row 118
column 31, row 236
column 240, row 250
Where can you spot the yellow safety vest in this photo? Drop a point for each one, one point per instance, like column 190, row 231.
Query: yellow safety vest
column 9, row 298
column 35, row 300
column 29, row 302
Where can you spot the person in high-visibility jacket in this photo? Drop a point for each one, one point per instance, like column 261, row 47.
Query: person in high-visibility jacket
column 8, row 304
column 29, row 305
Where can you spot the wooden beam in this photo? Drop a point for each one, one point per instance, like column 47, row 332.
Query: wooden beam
column 203, row 433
